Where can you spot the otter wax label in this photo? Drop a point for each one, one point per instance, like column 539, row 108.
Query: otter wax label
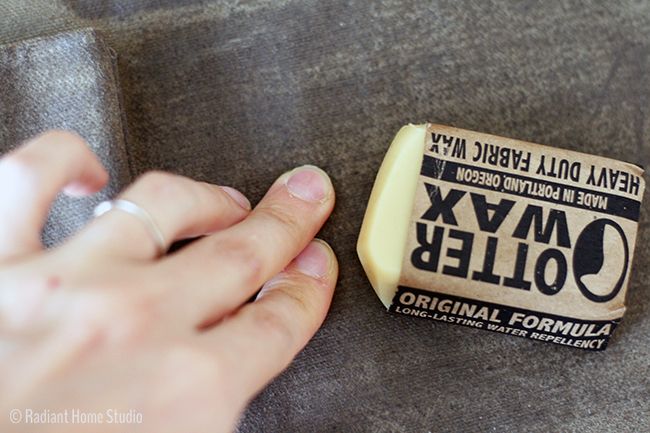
column 519, row 238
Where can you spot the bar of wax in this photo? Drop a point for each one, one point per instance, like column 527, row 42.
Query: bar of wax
column 382, row 240
column 501, row 234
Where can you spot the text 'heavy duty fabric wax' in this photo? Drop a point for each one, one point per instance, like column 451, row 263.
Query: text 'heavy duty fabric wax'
column 503, row 235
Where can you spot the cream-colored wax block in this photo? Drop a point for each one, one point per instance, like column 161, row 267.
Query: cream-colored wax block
column 501, row 234
column 382, row 240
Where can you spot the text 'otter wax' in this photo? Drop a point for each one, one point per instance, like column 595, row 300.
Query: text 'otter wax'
column 503, row 235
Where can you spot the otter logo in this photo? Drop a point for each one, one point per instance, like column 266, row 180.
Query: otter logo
column 600, row 260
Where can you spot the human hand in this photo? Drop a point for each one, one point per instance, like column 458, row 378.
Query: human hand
column 103, row 323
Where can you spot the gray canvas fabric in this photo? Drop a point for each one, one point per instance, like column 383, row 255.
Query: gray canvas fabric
column 237, row 92
column 65, row 82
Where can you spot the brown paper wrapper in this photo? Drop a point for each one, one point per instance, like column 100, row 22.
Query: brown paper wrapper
column 520, row 238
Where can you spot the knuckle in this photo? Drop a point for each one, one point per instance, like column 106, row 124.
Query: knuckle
column 243, row 253
column 218, row 198
column 212, row 192
column 288, row 222
column 293, row 297
column 157, row 180
column 213, row 200
column 275, row 322
column 169, row 186
column 115, row 315
column 296, row 296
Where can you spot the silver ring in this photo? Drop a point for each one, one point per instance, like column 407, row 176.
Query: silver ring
column 144, row 216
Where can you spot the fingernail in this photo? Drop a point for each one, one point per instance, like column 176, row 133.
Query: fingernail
column 314, row 260
column 238, row 197
column 308, row 183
